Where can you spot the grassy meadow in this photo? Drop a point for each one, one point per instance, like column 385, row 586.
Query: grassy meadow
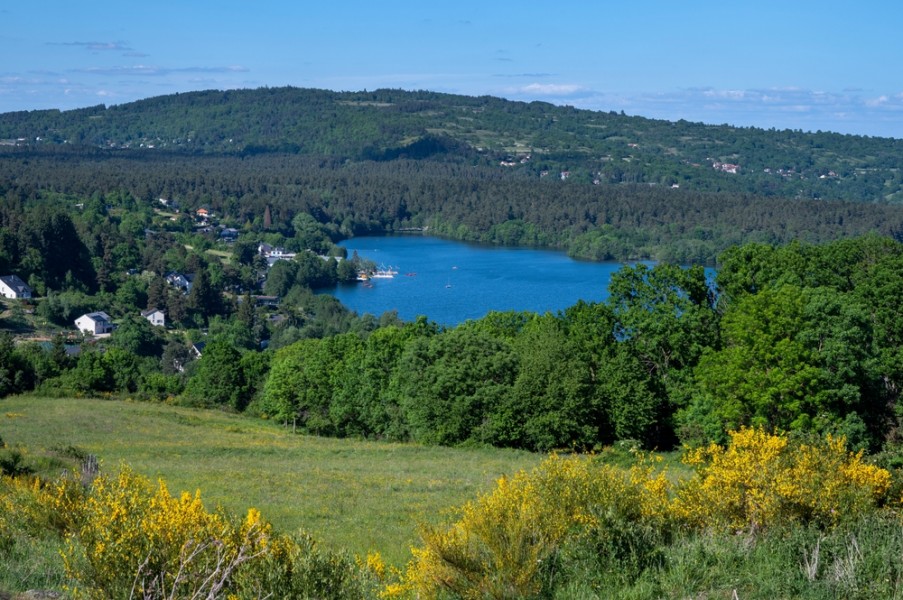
column 358, row 495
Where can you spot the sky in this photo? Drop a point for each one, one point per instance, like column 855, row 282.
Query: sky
column 810, row 65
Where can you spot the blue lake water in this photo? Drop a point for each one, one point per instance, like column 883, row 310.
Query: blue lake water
column 451, row 282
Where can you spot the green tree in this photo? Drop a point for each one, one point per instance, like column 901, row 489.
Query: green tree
column 794, row 359
column 135, row 334
column 15, row 372
column 549, row 403
column 204, row 298
column 450, row 383
column 280, row 278
column 299, row 388
column 622, row 393
column 666, row 317
column 218, row 379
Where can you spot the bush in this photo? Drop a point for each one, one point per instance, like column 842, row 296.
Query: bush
column 511, row 542
column 298, row 567
column 134, row 540
column 760, row 480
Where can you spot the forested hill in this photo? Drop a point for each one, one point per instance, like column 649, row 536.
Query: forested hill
column 532, row 140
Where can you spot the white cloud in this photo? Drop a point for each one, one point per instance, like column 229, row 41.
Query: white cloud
column 98, row 46
column 728, row 94
column 155, row 71
column 550, row 89
column 848, row 111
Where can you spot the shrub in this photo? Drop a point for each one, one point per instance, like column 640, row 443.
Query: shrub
column 761, row 479
column 298, row 567
column 132, row 540
column 508, row 543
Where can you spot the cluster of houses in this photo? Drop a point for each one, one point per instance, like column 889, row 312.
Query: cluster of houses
column 725, row 167
column 99, row 323
column 94, row 323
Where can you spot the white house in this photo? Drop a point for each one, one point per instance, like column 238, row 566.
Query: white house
column 94, row 323
column 272, row 254
column 13, row 287
column 155, row 316
column 180, row 281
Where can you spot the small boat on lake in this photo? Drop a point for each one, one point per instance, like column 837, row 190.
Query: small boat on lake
column 384, row 273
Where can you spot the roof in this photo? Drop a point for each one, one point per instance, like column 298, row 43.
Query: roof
column 14, row 282
column 98, row 317
column 149, row 312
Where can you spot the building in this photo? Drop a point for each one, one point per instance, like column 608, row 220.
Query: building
column 95, row 323
column 156, row 316
column 228, row 234
column 180, row 281
column 13, row 287
column 273, row 254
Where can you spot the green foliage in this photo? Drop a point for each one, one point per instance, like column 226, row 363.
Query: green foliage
column 136, row 335
column 299, row 567
column 450, row 384
column 218, row 380
column 16, row 374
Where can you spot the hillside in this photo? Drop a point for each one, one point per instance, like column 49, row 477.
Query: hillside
column 530, row 140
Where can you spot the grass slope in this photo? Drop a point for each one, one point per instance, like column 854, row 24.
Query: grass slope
column 358, row 495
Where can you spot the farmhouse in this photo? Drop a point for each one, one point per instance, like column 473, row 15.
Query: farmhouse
column 13, row 287
column 95, row 323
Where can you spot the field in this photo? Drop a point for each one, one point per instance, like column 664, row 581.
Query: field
column 352, row 494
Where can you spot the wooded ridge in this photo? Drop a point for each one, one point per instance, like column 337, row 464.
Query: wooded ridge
column 530, row 140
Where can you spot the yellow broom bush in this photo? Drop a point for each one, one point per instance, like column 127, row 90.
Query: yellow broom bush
column 761, row 479
column 504, row 544
column 137, row 541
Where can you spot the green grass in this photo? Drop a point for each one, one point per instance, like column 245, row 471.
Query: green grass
column 352, row 494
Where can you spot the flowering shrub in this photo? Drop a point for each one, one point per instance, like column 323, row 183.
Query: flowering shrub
column 506, row 543
column 514, row 541
column 134, row 541
column 761, row 479
column 123, row 537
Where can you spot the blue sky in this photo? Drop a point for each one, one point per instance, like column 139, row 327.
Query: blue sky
column 827, row 65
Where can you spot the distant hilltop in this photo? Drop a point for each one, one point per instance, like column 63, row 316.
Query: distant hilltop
column 519, row 139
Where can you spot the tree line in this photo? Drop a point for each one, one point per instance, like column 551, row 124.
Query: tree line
column 794, row 338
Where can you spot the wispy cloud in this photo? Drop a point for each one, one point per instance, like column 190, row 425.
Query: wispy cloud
column 158, row 71
column 849, row 111
column 97, row 46
column 548, row 89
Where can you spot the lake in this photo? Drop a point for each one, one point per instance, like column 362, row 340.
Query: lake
column 452, row 282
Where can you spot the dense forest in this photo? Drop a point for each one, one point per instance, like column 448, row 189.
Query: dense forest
column 532, row 140
column 262, row 194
